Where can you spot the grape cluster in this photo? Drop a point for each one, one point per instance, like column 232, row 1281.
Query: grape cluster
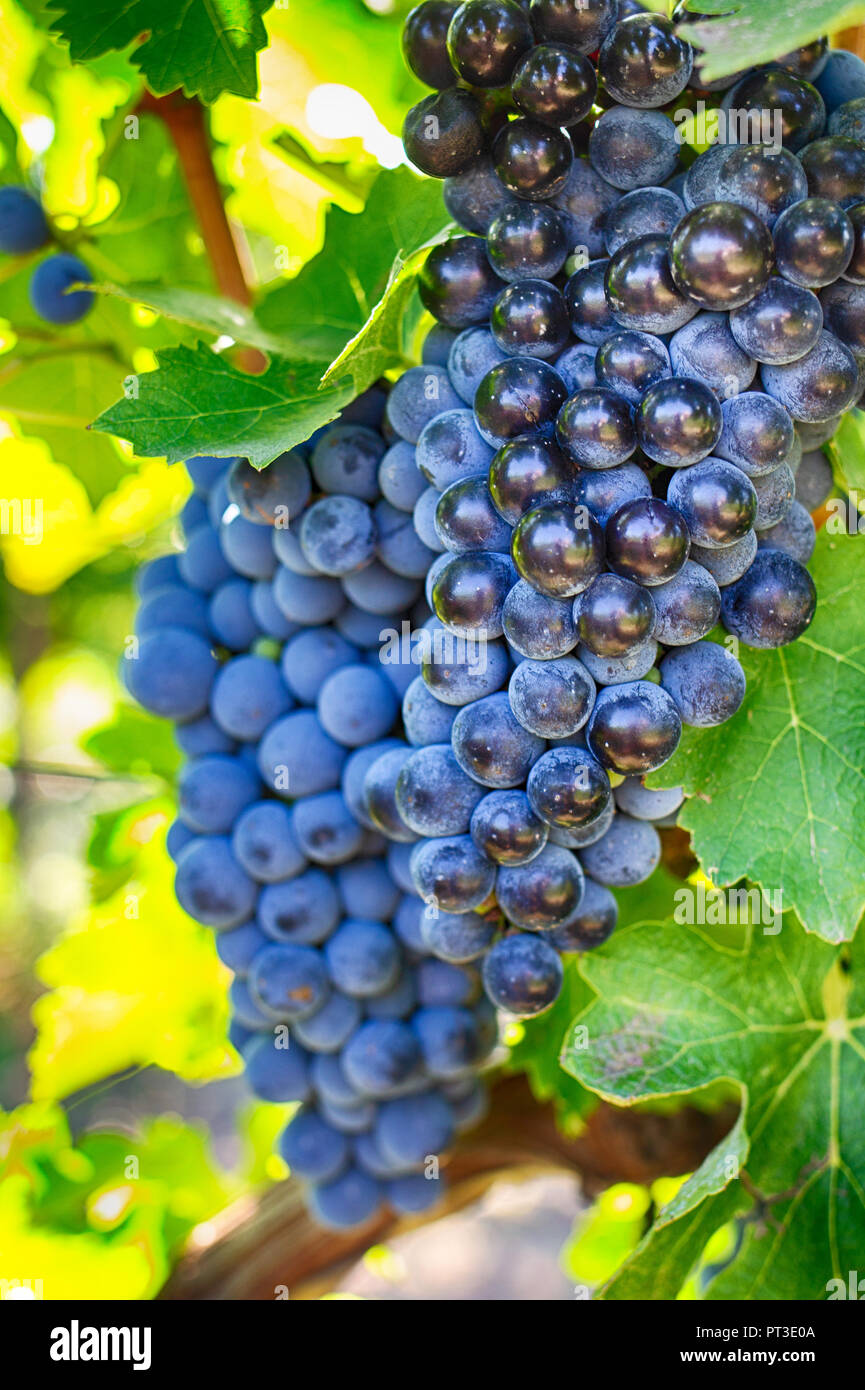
column 262, row 641
column 649, row 347
column 24, row 228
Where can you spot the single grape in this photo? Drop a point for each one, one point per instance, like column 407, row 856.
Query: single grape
column 707, row 351
column 578, row 836
column 51, row 293
column 288, row 981
column 526, row 472
column 248, row 695
column 346, row 458
column 378, row 793
column 729, row 564
column 645, row 803
column 775, row 492
column 338, row 535
column 231, row 615
column 795, row 533
column 350, row 1200
column 558, row 549
column 582, row 26
column 505, row 828
column 458, row 286
column 706, row 682
column 640, row 290
column 411, row 1128
column 537, row 625
column 174, row 605
column 700, row 184
column 772, row 604
column 485, row 40
column 584, row 202
column 433, row 794
column 687, row 606
column 310, row 657
column 303, row 910
column 552, row 699
column 297, row 757
column 457, row 674
column 491, row 746
column 529, row 318
column 424, row 42
column 171, row 673
column 678, row 421
column 780, row 324
column 576, row 367
column 451, row 873
column 23, row 225
column 381, row 1057
column 443, row 134
column 312, row 1149
column 855, row 271
column 267, row 495
column 817, row 387
column 456, row 937
column 594, row 428
column 326, row 831
column 721, row 255
column 522, row 975
column 555, row 84
column 643, row 62
column 531, row 159
column 376, row 589
column 758, row 434
column 844, row 314
column 617, row 670
column 519, row 396
column 398, row 546
column 466, row 520
column 634, row 728
column 717, row 500
column 647, row 540
column 470, row 592
column 567, row 787
column 476, row 197
column 835, row 168
column 842, row 78
column 362, row 957
column 590, row 314
column 628, row 854
column 542, row 894
column 633, row 149
column 648, row 211
column 630, row 362
column 199, row 736
column 798, row 104
column 614, row 615
column 211, row 886
column 593, row 923
column 765, row 180
column 848, row 120
column 203, row 565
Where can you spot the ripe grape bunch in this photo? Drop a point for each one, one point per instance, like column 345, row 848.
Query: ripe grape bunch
column 639, row 352
column 262, row 642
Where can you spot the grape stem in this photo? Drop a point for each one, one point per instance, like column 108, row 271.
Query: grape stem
column 267, row 1241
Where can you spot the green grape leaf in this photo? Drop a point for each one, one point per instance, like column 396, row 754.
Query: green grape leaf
column 778, row 792
column 758, row 31
column 204, row 312
column 207, row 47
column 198, row 403
column 135, row 743
column 784, row 1020
column 846, row 450
column 365, row 260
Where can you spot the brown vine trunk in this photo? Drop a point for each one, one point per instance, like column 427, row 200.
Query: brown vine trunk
column 267, row 1247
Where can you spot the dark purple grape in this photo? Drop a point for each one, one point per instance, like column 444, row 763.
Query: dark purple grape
column 634, row 149
column 443, row 134
column 705, row 681
column 729, row 564
column 542, row 894
column 641, row 291
column 765, row 180
column 848, row 120
column 721, row 255
column 614, row 615
column 505, row 828
column 758, row 434
column 568, row 787
column 584, row 202
column 717, row 500
column 491, row 746
column 485, row 40
column 707, row 350
column 801, row 108
column 526, row 241
column 687, row 606
column 466, row 520
column 780, row 324
column 647, row 540
column 634, row 727
column 618, row 670
column 813, row 242
column 819, row 386
column 836, row 169
column 554, row 84
column 267, row 495
column 576, row 367
column 678, row 421
column 808, row 61
column 522, row 974
column 558, row 550
column 529, row 319
column 594, row 427
column 536, row 625
column 775, row 493
column 643, row 212
column 772, row 604
column 448, row 450
column 593, row 923
column 844, row 313
column 591, row 317
column 643, row 62
column 630, row 362
column 552, row 699
column 469, row 594
column 842, row 78
column 476, row 196
column 700, row 184
column 519, row 396
column 451, row 873
column 795, row 533
column 584, row 26
column 424, row 42
column 526, row 472
column 474, row 353
column 531, row 159
column 457, row 283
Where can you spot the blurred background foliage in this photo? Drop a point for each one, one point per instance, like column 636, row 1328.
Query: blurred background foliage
column 112, row 1002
